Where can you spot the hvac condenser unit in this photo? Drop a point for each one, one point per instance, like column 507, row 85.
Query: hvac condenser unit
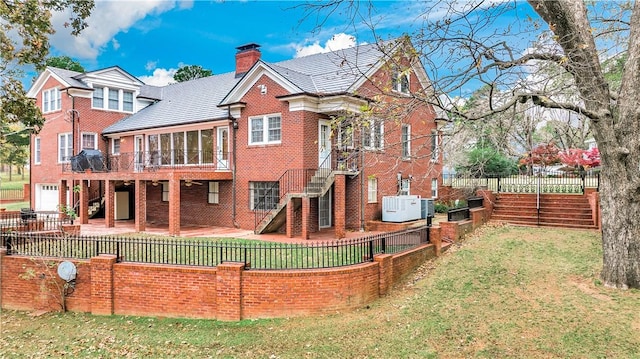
column 400, row 208
column 427, row 208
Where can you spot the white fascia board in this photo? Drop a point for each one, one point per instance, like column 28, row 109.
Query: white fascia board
column 122, row 79
column 170, row 129
column 252, row 77
column 41, row 80
column 303, row 103
column 325, row 104
column 75, row 92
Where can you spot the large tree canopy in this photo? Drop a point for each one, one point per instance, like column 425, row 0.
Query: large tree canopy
column 64, row 62
column 191, row 72
column 549, row 56
column 24, row 40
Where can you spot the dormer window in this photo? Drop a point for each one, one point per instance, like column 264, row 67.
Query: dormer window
column 400, row 81
column 51, row 100
column 116, row 99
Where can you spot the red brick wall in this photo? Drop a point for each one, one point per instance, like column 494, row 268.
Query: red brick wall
column 227, row 292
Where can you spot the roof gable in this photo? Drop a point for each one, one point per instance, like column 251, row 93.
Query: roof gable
column 64, row 77
column 114, row 76
column 250, row 78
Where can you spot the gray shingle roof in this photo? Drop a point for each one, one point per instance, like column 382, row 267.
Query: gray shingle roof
column 68, row 76
column 182, row 103
column 196, row 101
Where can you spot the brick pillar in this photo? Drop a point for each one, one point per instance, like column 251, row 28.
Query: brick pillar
column 141, row 205
column 477, row 217
column 174, row 206
column 229, row 291
column 102, row 284
column 435, row 237
column 306, row 217
column 109, row 203
column 385, row 268
column 83, row 210
column 62, row 193
column 449, row 230
column 290, row 229
column 340, row 207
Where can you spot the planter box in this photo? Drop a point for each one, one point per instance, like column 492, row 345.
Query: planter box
column 458, row 214
column 475, row 202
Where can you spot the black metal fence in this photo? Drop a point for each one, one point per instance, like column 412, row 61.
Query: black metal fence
column 210, row 253
column 548, row 182
column 28, row 220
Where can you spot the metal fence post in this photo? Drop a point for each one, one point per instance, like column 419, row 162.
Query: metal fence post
column 371, row 250
column 8, row 244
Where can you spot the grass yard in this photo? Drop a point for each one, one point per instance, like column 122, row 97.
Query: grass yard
column 505, row 292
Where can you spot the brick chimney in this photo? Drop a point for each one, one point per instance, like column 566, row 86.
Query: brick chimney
column 246, row 56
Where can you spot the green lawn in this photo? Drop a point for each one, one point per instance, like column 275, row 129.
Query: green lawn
column 506, row 292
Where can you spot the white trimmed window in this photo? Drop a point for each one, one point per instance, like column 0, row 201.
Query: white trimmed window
column 115, row 146
column 264, row 195
column 127, row 101
column 114, row 99
column 89, row 141
column 65, row 147
column 346, row 136
column 165, row 191
column 400, row 81
column 372, row 190
column 98, row 97
column 36, row 151
column 373, row 135
column 434, row 188
column 51, row 100
column 406, row 141
column 214, row 192
column 435, row 148
column 405, row 187
column 265, row 129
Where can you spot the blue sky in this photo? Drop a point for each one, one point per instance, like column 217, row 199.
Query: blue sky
column 151, row 39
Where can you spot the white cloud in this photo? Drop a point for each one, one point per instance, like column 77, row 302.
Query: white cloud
column 151, row 65
column 337, row 42
column 107, row 20
column 160, row 77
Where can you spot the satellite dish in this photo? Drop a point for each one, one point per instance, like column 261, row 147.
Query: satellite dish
column 67, row 271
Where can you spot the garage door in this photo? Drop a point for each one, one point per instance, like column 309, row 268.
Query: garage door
column 46, row 197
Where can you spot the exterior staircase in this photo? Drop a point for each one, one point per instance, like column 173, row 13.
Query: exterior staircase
column 556, row 210
column 95, row 206
column 317, row 186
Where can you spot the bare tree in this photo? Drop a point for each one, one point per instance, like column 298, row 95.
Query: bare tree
column 470, row 44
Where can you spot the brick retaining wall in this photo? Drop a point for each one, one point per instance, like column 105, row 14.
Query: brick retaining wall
column 228, row 292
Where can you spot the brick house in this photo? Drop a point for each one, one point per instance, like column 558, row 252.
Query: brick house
column 294, row 146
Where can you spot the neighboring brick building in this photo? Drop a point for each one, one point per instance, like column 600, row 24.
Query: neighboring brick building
column 294, row 146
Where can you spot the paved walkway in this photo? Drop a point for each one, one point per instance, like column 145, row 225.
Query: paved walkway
column 97, row 227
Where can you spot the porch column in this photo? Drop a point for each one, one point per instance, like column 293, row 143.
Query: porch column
column 109, row 203
column 141, row 205
column 83, row 210
column 306, row 214
column 340, row 200
column 174, row 206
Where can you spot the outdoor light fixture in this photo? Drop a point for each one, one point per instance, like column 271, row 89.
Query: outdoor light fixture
column 188, row 183
column 127, row 182
column 154, row 183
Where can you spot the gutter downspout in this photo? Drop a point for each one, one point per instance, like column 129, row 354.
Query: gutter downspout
column 234, row 126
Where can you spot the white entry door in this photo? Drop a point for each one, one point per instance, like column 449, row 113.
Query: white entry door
column 222, row 150
column 324, row 144
column 139, row 153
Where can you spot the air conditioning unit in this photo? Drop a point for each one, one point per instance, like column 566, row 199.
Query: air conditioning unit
column 427, row 208
column 400, row 208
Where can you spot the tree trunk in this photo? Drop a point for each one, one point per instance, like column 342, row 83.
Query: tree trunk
column 616, row 130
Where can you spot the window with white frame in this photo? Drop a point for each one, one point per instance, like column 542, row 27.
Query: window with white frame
column 434, row 188
column 405, row 187
column 264, row 195
column 36, row 151
column 373, row 135
column 214, row 192
column 115, row 146
column 114, row 99
column 65, row 147
column 372, row 190
column 185, row 147
column 406, row 141
column 98, row 97
column 89, row 141
column 51, row 100
column 127, row 101
column 435, row 150
column 346, row 136
column 265, row 129
column 165, row 191
column 400, row 81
